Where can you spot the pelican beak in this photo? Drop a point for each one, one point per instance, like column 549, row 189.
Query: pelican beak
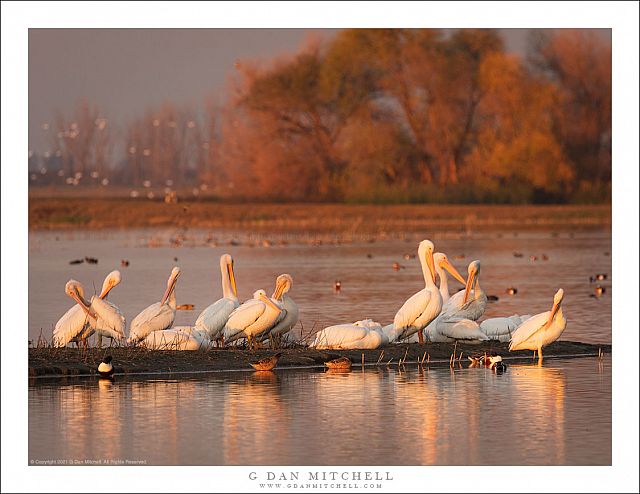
column 269, row 302
column 83, row 303
column 277, row 293
column 107, row 289
column 169, row 289
column 454, row 272
column 467, row 289
column 554, row 311
column 432, row 266
column 232, row 278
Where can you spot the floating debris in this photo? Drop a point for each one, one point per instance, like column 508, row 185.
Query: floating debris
column 512, row 290
column 76, row 261
column 91, row 260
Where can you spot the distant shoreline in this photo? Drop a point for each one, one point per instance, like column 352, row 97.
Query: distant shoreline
column 311, row 218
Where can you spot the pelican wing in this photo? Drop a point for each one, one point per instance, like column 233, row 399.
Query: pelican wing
column 340, row 336
column 70, row 325
column 528, row 328
column 179, row 338
column 110, row 321
column 243, row 317
column 213, row 318
column 500, row 328
column 411, row 310
column 156, row 317
column 460, row 329
column 473, row 309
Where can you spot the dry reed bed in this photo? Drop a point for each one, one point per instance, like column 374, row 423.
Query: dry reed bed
column 71, row 213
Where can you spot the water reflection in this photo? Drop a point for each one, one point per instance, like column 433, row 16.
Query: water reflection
column 559, row 413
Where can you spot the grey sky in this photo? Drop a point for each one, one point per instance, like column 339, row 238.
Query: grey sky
column 125, row 71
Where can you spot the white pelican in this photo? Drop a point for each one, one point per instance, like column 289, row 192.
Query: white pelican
column 99, row 314
column 471, row 302
column 422, row 307
column 364, row 334
column 452, row 328
column 177, row 338
column 286, row 303
column 252, row 318
column 214, row 317
column 542, row 329
column 501, row 328
column 74, row 326
column 442, row 265
column 158, row 316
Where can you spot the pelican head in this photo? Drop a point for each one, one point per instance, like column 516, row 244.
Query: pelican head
column 259, row 293
column 442, row 261
column 472, row 279
column 557, row 301
column 112, row 279
column 75, row 290
column 171, row 284
column 226, row 268
column 425, row 251
column 283, row 285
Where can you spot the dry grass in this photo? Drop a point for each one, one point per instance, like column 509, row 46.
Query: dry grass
column 344, row 219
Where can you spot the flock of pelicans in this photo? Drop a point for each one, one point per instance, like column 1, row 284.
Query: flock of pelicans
column 430, row 314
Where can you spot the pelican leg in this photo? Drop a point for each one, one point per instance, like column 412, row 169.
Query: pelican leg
column 99, row 341
column 420, row 337
column 540, row 353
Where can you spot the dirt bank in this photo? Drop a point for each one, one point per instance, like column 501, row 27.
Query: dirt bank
column 71, row 361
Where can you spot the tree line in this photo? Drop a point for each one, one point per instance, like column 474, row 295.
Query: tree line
column 376, row 115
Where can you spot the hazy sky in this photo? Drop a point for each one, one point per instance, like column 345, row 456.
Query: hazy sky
column 125, row 71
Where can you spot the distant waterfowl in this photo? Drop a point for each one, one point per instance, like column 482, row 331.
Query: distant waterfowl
column 91, row 260
column 337, row 286
column 251, row 319
column 533, row 258
column 76, row 261
column 158, row 316
column 597, row 277
column 266, row 364
column 497, row 365
column 213, row 318
column 424, row 306
column 397, row 266
column 124, row 263
column 540, row 330
column 185, row 307
column 599, row 291
column 545, row 257
column 339, row 363
column 518, row 254
column 369, row 256
column 105, row 369
column 512, row 291
column 284, row 282
column 408, row 257
column 492, row 298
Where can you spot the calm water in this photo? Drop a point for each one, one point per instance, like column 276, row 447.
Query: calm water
column 557, row 414
column 370, row 287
